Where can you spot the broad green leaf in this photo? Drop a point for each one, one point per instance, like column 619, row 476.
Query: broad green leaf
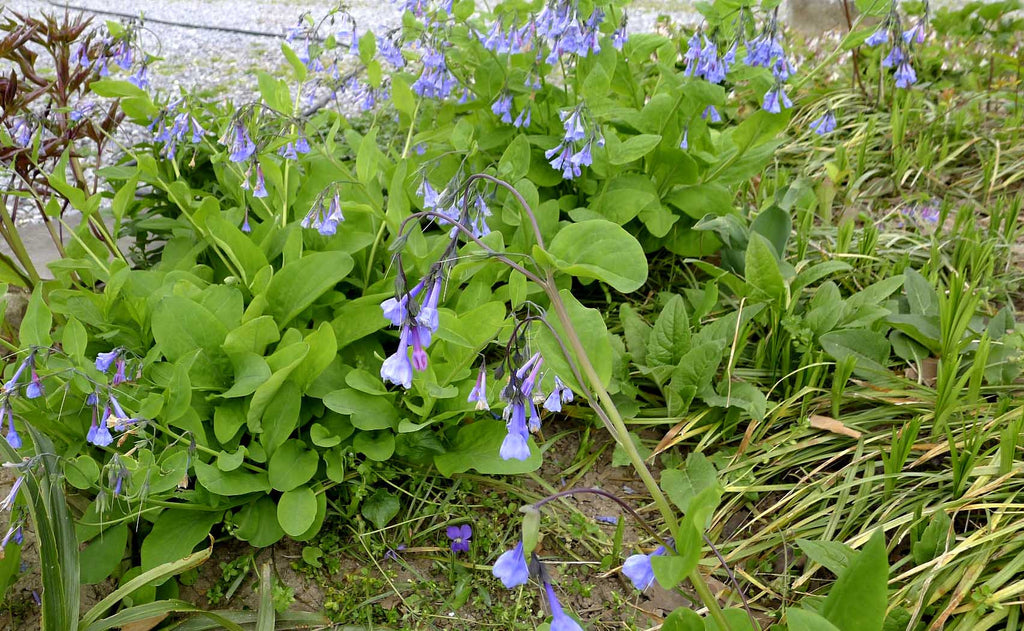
column 515, row 162
column 246, row 256
column 237, row 482
column 180, row 326
column 923, row 298
column 296, row 510
column 476, row 447
column 670, row 338
column 857, row 600
column 377, row 446
column 257, row 523
column 280, row 417
column 251, row 371
column 602, row 250
column 292, row 465
column 761, row 269
column 833, row 555
column 74, row 339
column 81, row 472
column 632, row 149
column 683, row 485
column 804, row 620
column 933, row 539
column 672, row 569
column 296, row 285
column 103, row 554
column 683, row 619
column 869, row 348
column 368, row 412
column 593, row 333
column 380, row 508
column 35, row 325
column 637, row 333
column 175, row 534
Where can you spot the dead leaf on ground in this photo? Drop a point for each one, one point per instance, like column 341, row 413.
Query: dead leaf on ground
column 829, row 424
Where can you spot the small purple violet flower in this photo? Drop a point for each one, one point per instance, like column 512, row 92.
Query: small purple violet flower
column 8, row 501
column 460, row 536
column 638, row 570
column 560, row 621
column 824, row 124
column 479, row 391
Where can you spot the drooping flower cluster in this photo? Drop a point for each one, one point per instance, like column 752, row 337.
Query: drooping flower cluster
column 123, row 49
column 176, row 124
column 520, row 413
column 703, row 60
column 436, row 81
column 766, row 51
column 449, row 204
column 903, row 42
column 417, row 321
column 575, row 149
column 824, row 124
column 566, row 33
column 324, row 216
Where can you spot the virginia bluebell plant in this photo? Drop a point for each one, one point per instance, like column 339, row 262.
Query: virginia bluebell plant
column 902, row 43
column 176, row 124
column 575, row 150
column 324, row 216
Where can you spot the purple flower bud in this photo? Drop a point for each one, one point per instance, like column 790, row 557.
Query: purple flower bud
column 560, row 621
column 877, row 38
column 35, row 387
column 479, row 391
column 260, row 190
column 8, row 501
column 824, row 124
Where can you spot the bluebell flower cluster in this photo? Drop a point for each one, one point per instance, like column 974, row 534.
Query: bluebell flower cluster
column 415, row 313
column 520, row 413
column 766, row 51
column 176, row 124
column 703, row 60
column 325, row 216
column 436, row 81
column 566, row 33
column 902, row 43
column 575, row 149
column 21, row 132
column 824, row 124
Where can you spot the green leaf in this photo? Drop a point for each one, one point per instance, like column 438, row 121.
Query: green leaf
column 299, row 69
column 593, row 333
column 251, row 371
column 81, row 472
column 35, row 326
column 380, row 508
column 804, row 620
column 857, row 600
column 672, row 569
column 683, row 619
column 238, row 482
column 761, row 269
column 296, row 510
column 377, row 446
column 602, row 250
column 301, row 282
column 923, row 298
column 157, row 574
column 515, row 162
column 280, row 417
column 696, row 476
column 634, row 148
column 247, row 257
column 257, row 523
column 103, row 554
column 670, row 338
column 833, row 555
column 180, row 326
column 476, row 447
column 114, row 88
column 179, row 391
column 368, row 412
column 74, row 338
column 933, row 540
column 869, row 348
column 174, row 535
column 292, row 465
